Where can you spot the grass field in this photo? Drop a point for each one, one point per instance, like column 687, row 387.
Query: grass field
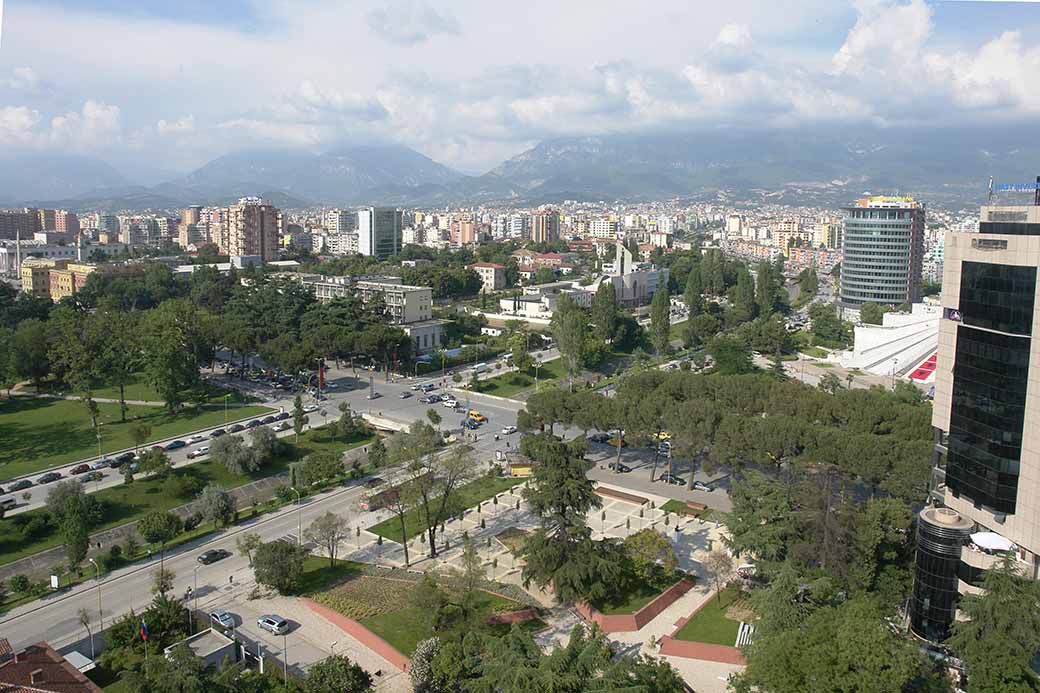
column 815, row 352
column 680, row 508
column 638, row 594
column 37, row 434
column 467, row 496
column 509, row 384
column 384, row 606
column 710, row 624
column 126, row 503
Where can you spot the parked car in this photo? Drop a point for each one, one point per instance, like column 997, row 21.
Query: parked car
column 117, row 462
column 509, row 430
column 599, row 438
column 20, row 485
column 267, row 420
column 48, row 478
column 103, row 463
column 619, row 467
column 477, row 416
column 198, row 452
column 212, row 556
column 282, row 417
column 451, row 402
column 428, row 387
column 217, row 433
column 78, row 469
column 273, row 624
column 431, row 399
column 282, row 426
column 236, row 428
column 308, row 408
column 373, row 482
column 222, row 618
column 125, row 456
column 405, row 395
column 374, row 395
column 196, row 439
column 701, row 486
column 253, row 424
column 175, row 445
column 672, row 479
column 470, row 424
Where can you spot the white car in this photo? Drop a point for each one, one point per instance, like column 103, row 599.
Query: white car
column 310, row 408
column 509, row 430
column 273, row 624
column 196, row 439
column 198, row 452
column 282, row 426
column 222, row 618
column 450, row 403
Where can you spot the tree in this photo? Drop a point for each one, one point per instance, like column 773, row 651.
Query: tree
column 433, row 416
column 692, row 293
column 175, row 338
column 279, row 565
column 337, row 673
column 731, row 355
column 660, row 320
column 75, row 513
column 30, row 355
column 568, row 328
column 561, row 551
column 328, row 531
column 159, row 527
column 1002, row 630
column 650, row 551
column 140, row 432
column 767, row 288
column 119, row 357
column 518, row 350
column 604, row 314
column 233, row 454
column 744, row 305
column 162, row 581
column 719, row 565
column 826, row 325
column 264, row 446
column 871, row 313
column 473, row 574
column 377, row 454
column 155, row 462
column 299, row 418
column 247, row 543
column 216, row 505
column 84, row 620
column 700, row 328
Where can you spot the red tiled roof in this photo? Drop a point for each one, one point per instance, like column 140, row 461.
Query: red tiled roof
column 52, row 673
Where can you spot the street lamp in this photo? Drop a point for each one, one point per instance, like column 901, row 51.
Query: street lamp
column 895, row 365
column 225, row 406
column 332, row 645
column 285, row 658
column 101, row 619
column 195, row 590
column 299, row 506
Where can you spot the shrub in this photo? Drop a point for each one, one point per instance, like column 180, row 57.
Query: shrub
column 192, row 521
column 20, row 583
column 115, row 554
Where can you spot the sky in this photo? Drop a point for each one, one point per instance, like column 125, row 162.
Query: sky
column 163, row 87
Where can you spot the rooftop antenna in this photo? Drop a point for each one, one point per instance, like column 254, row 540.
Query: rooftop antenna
column 1036, row 193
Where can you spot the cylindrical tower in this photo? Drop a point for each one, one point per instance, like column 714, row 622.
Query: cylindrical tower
column 941, row 534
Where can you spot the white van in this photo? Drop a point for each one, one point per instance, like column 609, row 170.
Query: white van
column 8, row 502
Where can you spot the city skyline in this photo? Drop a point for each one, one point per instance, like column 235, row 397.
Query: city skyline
column 749, row 65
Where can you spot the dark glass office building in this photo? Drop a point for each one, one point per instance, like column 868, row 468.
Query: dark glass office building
column 986, row 415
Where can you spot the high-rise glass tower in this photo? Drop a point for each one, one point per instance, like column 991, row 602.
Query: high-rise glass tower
column 883, row 251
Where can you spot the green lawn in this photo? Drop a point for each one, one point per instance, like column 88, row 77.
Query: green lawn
column 509, row 384
column 139, row 389
column 638, row 594
column 710, row 623
column 37, row 434
column 318, row 575
column 467, row 496
column 815, row 352
column 126, row 503
column 680, row 508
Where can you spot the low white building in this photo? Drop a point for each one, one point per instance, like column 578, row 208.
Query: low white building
column 898, row 347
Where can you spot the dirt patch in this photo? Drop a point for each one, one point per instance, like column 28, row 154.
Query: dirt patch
column 740, row 610
column 512, row 538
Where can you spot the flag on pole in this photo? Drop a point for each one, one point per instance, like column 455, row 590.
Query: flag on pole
column 144, row 631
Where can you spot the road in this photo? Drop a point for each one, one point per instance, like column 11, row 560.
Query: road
column 343, row 387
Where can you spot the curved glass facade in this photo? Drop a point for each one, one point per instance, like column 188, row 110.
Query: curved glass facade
column 882, row 255
column 941, row 534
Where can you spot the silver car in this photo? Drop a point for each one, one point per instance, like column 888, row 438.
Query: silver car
column 273, row 624
column 222, row 618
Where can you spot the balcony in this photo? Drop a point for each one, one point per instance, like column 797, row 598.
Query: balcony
column 980, row 559
column 965, row 588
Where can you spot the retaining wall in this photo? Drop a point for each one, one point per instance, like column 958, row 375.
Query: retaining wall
column 625, row 623
column 363, row 635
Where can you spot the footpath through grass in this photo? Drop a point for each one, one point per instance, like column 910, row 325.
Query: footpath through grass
column 38, row 434
column 710, row 623
column 31, row 532
column 466, row 496
column 509, row 384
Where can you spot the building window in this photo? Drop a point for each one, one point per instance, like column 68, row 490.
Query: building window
column 997, row 297
column 990, row 376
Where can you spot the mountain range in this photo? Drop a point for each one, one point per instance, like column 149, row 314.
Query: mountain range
column 806, row 166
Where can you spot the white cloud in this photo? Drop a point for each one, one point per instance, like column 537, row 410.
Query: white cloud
column 97, row 124
column 410, row 21
column 22, row 79
column 180, row 126
column 17, row 124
